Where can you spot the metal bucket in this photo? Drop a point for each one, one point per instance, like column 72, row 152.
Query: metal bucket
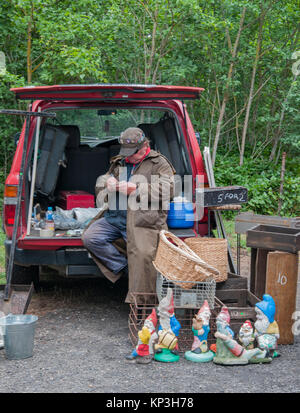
column 18, row 331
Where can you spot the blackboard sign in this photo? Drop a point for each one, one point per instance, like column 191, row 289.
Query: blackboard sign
column 218, row 196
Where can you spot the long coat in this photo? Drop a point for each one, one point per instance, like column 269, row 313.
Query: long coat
column 143, row 225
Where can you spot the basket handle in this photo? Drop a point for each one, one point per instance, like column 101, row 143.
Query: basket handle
column 164, row 235
column 184, row 249
column 202, row 270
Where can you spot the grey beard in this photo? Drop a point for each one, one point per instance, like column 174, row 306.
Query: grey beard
column 262, row 325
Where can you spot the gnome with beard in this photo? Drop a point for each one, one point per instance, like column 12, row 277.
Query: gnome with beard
column 246, row 336
column 229, row 351
column 166, row 350
column 143, row 353
column 266, row 328
column 200, row 329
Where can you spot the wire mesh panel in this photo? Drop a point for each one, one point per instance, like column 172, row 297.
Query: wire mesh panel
column 187, row 298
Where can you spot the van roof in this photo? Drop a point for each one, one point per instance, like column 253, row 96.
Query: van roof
column 107, row 92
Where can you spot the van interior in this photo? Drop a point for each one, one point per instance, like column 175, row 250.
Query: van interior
column 76, row 146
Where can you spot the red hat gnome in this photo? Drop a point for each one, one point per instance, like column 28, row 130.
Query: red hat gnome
column 151, row 321
column 143, row 352
column 224, row 315
column 246, row 335
column 200, row 327
column 204, row 313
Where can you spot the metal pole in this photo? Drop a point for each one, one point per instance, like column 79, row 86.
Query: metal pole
column 238, row 253
column 33, row 177
column 17, row 214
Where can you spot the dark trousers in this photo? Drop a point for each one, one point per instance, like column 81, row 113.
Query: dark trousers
column 98, row 239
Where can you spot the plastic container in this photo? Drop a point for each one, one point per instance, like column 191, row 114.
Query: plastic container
column 18, row 331
column 49, row 222
column 181, row 215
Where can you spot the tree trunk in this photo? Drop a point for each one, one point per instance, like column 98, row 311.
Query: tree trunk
column 29, row 63
column 278, row 132
column 281, row 183
column 250, row 99
column 229, row 77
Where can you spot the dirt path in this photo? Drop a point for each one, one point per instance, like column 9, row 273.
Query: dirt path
column 82, row 338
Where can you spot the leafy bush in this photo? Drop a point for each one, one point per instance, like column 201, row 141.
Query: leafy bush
column 262, row 179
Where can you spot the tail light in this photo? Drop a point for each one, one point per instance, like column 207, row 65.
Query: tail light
column 9, row 210
column 9, row 215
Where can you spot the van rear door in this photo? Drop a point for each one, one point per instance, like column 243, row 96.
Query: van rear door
column 107, row 92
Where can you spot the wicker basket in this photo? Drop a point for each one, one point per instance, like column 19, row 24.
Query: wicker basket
column 177, row 262
column 213, row 251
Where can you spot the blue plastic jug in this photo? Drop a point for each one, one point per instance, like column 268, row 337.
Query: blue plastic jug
column 181, row 215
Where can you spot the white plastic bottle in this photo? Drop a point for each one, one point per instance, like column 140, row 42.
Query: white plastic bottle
column 49, row 220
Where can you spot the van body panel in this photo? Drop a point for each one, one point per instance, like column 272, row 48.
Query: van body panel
column 55, row 98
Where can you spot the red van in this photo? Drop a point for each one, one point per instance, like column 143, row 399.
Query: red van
column 67, row 153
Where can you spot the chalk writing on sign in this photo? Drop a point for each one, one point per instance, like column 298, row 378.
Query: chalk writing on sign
column 230, row 196
column 282, row 279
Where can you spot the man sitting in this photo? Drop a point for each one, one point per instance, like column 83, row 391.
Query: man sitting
column 134, row 194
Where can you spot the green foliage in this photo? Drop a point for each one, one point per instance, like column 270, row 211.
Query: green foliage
column 183, row 42
column 9, row 125
column 262, row 179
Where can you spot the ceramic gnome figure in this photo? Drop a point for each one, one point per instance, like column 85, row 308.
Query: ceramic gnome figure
column 246, row 335
column 167, row 348
column 228, row 351
column 266, row 328
column 143, row 353
column 200, row 328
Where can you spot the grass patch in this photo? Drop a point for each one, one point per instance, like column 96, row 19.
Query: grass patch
column 229, row 225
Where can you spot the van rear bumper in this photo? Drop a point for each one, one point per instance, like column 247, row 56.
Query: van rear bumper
column 76, row 259
column 66, row 256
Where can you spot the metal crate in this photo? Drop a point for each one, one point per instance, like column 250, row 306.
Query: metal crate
column 187, row 298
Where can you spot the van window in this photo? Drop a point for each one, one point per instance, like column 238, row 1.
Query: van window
column 96, row 125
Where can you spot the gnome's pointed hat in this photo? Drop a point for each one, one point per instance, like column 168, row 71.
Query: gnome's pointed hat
column 167, row 303
column 247, row 324
column 224, row 313
column 152, row 317
column 267, row 306
column 205, row 307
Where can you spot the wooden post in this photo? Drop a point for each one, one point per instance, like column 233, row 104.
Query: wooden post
column 281, row 182
column 260, row 272
column 281, row 284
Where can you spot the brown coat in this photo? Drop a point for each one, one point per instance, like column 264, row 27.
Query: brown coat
column 143, row 226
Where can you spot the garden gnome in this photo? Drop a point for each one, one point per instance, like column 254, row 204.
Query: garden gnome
column 168, row 330
column 228, row 351
column 200, row 329
column 151, row 323
column 266, row 328
column 246, row 335
column 143, row 353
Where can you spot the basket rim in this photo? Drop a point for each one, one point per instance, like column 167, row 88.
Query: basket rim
column 190, row 254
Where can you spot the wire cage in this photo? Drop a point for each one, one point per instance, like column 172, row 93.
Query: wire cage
column 187, row 298
column 142, row 306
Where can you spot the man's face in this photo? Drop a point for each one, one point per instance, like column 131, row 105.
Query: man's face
column 135, row 158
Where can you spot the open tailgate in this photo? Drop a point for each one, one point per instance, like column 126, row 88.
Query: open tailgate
column 106, row 92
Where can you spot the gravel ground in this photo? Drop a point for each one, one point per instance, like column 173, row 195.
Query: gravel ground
column 81, row 340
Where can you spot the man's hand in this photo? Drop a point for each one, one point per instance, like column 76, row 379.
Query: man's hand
column 112, row 184
column 126, row 188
